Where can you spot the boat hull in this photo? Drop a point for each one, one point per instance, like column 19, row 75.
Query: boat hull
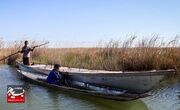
column 139, row 82
column 120, row 97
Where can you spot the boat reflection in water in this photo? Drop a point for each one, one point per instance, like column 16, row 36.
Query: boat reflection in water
column 70, row 101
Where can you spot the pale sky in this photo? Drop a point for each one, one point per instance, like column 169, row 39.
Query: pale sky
column 87, row 21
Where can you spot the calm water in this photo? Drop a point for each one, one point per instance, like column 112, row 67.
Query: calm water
column 41, row 98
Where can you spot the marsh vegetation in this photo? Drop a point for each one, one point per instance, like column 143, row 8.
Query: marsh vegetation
column 130, row 55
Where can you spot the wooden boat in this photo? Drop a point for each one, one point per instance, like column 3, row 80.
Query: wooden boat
column 82, row 88
column 138, row 81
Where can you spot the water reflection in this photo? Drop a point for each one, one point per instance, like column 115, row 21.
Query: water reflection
column 166, row 98
column 69, row 101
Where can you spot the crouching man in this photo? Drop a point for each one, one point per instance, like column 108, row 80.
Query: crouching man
column 55, row 76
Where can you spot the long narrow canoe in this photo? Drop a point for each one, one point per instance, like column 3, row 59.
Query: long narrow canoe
column 138, row 81
column 91, row 90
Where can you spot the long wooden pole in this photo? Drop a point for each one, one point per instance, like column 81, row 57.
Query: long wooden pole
column 41, row 45
column 20, row 51
column 9, row 55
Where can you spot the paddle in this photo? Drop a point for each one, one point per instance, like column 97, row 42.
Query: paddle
column 20, row 51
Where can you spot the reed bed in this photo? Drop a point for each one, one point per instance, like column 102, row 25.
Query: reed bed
column 129, row 55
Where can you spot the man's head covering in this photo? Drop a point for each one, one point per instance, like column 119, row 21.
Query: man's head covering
column 26, row 42
column 57, row 66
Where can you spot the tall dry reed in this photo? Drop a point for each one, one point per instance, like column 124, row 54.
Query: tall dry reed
column 145, row 54
column 129, row 55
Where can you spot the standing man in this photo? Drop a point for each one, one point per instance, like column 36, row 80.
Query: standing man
column 26, row 53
